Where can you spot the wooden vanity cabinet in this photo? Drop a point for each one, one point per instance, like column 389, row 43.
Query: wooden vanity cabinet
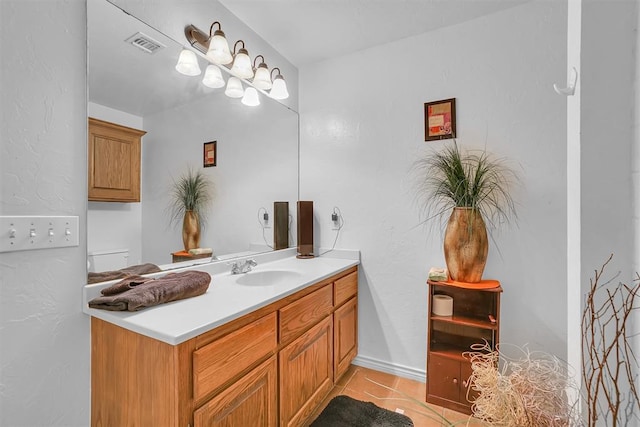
column 269, row 368
column 114, row 162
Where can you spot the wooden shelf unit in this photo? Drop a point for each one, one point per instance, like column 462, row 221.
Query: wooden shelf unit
column 475, row 319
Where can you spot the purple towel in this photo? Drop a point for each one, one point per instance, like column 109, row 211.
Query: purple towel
column 135, row 296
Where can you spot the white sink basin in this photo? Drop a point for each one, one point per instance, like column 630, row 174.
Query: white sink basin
column 267, row 277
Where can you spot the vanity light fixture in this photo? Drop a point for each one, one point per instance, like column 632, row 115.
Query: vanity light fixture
column 234, row 88
column 251, row 97
column 262, row 79
column 279, row 89
column 188, row 63
column 241, row 62
column 215, row 49
column 218, row 51
column 213, row 77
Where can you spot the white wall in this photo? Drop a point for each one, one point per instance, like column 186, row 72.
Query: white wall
column 44, row 336
column 607, row 113
column 635, row 152
column 113, row 225
column 608, row 157
column 363, row 127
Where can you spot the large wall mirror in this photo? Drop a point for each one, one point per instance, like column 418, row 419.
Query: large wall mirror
column 256, row 147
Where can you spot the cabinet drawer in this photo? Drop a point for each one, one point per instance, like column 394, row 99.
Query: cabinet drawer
column 344, row 288
column 300, row 315
column 220, row 361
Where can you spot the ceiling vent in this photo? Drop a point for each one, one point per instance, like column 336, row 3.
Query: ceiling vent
column 146, row 43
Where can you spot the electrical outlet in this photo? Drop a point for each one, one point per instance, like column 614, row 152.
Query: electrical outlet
column 335, row 221
column 265, row 220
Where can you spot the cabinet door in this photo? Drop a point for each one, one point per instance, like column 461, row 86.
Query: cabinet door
column 306, row 373
column 345, row 345
column 466, row 393
column 251, row 401
column 114, row 162
column 443, row 378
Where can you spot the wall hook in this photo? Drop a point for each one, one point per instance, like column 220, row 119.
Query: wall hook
column 571, row 86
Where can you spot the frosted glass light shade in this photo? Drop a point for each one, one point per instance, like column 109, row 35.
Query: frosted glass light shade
column 188, row 63
column 262, row 79
column 242, row 65
column 251, row 97
column 279, row 90
column 213, row 77
column 219, row 49
column 234, row 88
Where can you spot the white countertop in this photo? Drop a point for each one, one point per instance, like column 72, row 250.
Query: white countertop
column 225, row 300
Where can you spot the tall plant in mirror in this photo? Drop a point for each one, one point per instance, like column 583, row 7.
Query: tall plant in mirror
column 471, row 187
column 191, row 195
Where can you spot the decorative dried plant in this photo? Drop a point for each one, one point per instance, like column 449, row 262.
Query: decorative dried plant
column 192, row 191
column 453, row 178
column 526, row 392
column 608, row 362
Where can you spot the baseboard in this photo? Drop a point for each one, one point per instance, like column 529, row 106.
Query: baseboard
column 390, row 368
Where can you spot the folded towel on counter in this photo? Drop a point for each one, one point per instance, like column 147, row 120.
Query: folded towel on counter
column 170, row 287
column 200, row 251
column 125, row 284
column 438, row 274
column 132, row 270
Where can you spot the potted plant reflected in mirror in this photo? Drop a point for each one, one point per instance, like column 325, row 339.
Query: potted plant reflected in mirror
column 191, row 195
column 470, row 187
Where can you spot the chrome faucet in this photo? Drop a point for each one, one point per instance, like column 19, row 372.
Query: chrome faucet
column 243, row 266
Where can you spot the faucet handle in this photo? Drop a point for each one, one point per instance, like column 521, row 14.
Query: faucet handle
column 252, row 262
column 235, row 268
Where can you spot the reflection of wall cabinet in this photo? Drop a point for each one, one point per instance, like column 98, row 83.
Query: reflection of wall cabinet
column 114, row 162
column 271, row 367
column 475, row 319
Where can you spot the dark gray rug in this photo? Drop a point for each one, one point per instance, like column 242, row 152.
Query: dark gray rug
column 344, row 411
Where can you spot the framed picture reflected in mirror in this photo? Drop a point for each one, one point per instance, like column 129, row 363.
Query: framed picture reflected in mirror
column 210, row 154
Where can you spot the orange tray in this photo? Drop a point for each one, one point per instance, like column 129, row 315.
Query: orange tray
column 483, row 284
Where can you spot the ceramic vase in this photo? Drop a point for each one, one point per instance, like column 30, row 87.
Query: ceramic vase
column 190, row 231
column 466, row 245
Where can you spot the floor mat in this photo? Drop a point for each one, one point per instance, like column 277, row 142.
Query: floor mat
column 344, row 411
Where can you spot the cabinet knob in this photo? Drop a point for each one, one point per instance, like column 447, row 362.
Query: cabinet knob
column 465, row 384
column 455, row 381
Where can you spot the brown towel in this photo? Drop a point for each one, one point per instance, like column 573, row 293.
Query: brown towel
column 171, row 287
column 125, row 284
column 132, row 270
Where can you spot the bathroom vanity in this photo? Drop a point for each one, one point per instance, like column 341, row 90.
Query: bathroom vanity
column 258, row 349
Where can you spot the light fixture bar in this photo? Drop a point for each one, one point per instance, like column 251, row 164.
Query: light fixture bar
column 196, row 38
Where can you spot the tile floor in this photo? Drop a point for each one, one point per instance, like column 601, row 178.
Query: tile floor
column 360, row 383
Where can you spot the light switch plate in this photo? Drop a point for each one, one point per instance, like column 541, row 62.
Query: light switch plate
column 23, row 233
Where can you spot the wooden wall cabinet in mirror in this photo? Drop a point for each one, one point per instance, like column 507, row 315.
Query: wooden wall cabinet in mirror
column 114, row 162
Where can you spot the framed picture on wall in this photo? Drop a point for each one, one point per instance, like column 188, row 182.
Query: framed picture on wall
column 440, row 119
column 210, row 155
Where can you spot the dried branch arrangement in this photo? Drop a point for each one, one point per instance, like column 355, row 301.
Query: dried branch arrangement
column 528, row 391
column 608, row 361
